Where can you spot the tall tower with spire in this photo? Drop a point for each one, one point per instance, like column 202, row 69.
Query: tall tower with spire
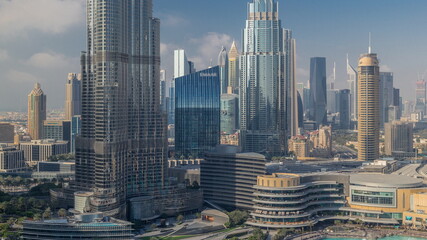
column 352, row 84
column 233, row 68
column 122, row 149
column 223, row 69
column 36, row 112
column 263, row 88
column 368, row 106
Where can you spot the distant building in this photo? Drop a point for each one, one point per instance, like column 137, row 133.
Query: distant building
column 223, row 70
column 197, row 112
column 344, row 108
column 229, row 113
column 300, row 146
column 227, row 176
column 7, row 133
column 352, row 85
column 11, row 159
column 398, row 137
column 40, row 150
column 76, row 127
column 233, row 68
column 36, row 112
column 380, row 166
column 73, row 96
column 386, row 95
column 59, row 130
column 81, row 226
column 318, row 100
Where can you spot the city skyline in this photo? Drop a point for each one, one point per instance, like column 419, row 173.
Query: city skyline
column 35, row 50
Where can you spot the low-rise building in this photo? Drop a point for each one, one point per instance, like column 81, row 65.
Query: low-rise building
column 11, row 159
column 227, row 176
column 81, row 226
column 289, row 200
column 40, row 150
column 7, row 133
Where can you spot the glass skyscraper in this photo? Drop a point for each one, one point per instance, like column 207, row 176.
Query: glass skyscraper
column 263, row 85
column 122, row 149
column 197, row 112
column 317, row 110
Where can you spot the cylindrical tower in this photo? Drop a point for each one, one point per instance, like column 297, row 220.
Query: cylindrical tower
column 368, row 107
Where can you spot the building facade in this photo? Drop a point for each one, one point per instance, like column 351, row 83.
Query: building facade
column 284, row 200
column 122, row 149
column 11, row 159
column 233, row 68
column 197, row 112
column 317, row 110
column 229, row 113
column 73, row 96
column 227, row 176
column 7, row 133
column 40, row 150
column 344, row 108
column 386, row 95
column 36, row 112
column 83, row 226
column 223, row 70
column 59, row 130
column 368, row 107
column 263, row 89
column 352, row 85
column 398, row 137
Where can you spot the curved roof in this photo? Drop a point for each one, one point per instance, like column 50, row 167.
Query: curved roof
column 214, row 212
column 385, row 180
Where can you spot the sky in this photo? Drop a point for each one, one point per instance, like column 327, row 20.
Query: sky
column 41, row 40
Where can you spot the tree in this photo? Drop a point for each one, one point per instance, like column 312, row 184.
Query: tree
column 237, row 217
column 179, row 219
column 198, row 215
column 62, row 212
column 47, row 213
column 153, row 226
column 37, row 216
column 257, row 234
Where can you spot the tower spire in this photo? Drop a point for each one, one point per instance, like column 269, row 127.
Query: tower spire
column 370, row 47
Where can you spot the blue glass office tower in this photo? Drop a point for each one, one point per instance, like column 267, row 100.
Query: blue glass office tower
column 197, row 112
column 317, row 108
column 263, row 84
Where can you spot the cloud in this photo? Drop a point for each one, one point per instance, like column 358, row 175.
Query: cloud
column 21, row 77
column 4, row 55
column 208, row 47
column 49, row 60
column 171, row 20
column 302, row 75
column 385, row 68
column 48, row 16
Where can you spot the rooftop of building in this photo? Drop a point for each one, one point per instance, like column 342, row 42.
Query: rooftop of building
column 84, row 219
column 385, row 180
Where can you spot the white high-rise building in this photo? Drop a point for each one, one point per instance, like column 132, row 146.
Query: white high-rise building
column 352, row 82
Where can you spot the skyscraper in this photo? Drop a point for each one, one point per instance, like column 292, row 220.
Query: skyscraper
column 122, row 149
column 233, row 68
column 291, row 111
column 223, row 70
column 197, row 112
column 420, row 97
column 317, row 110
column 36, row 112
column 73, row 96
column 352, row 84
column 368, row 107
column 386, row 95
column 263, row 87
column 344, row 108
column 163, row 87
column 181, row 67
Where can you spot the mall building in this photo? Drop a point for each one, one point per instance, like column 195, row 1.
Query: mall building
column 291, row 200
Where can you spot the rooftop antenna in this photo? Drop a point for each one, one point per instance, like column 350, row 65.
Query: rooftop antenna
column 369, row 48
column 347, row 59
column 335, row 76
